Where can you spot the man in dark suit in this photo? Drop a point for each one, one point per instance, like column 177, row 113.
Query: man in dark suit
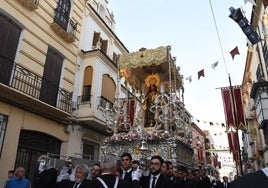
column 155, row 178
column 108, row 178
column 47, row 178
column 205, row 179
column 216, row 183
column 258, row 179
column 197, row 181
column 95, row 171
column 126, row 164
column 179, row 178
column 81, row 173
column 225, row 183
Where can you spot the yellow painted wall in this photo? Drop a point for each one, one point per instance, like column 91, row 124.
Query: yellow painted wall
column 19, row 119
column 36, row 37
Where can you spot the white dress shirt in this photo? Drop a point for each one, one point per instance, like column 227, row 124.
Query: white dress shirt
column 265, row 171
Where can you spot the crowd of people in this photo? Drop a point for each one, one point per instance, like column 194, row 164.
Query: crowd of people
column 127, row 173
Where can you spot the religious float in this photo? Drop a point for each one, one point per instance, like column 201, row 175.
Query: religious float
column 151, row 118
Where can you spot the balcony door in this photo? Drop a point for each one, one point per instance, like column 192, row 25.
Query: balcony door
column 9, row 38
column 62, row 13
column 51, row 77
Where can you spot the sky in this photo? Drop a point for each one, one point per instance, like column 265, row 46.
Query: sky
column 188, row 27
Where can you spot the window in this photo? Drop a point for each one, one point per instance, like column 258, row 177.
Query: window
column 51, row 77
column 62, row 13
column 104, row 45
column 87, row 84
column 265, row 55
column 101, row 11
column 108, row 88
column 259, row 73
column 86, row 96
column 9, row 38
column 3, row 126
column 96, row 39
column 99, row 43
column 63, row 25
column 115, row 58
column 90, row 150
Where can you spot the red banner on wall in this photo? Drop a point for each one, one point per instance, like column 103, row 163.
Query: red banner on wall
column 233, row 107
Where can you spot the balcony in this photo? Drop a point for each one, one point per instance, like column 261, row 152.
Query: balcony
column 27, row 90
column 64, row 26
column 30, row 4
column 259, row 93
column 90, row 112
column 103, row 103
column 83, row 99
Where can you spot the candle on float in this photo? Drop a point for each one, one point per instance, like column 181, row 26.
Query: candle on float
column 161, row 88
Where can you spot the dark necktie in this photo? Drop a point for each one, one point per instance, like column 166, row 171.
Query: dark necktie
column 153, row 183
column 125, row 175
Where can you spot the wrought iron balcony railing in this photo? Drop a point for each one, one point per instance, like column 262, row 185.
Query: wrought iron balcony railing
column 19, row 78
column 63, row 25
column 103, row 103
column 83, row 99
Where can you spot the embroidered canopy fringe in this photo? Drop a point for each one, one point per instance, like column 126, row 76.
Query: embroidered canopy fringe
column 145, row 57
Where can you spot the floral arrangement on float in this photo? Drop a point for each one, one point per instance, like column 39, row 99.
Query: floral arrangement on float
column 133, row 136
column 149, row 136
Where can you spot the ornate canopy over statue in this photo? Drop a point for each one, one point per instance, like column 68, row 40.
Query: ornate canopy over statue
column 154, row 120
column 144, row 57
column 136, row 66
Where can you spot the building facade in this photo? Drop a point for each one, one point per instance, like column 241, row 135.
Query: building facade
column 254, row 87
column 96, row 79
column 198, row 144
column 55, row 59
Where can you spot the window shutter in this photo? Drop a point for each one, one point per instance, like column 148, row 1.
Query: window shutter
column 88, row 76
column 108, row 88
column 51, row 77
column 115, row 58
column 104, row 45
column 96, row 39
column 9, row 38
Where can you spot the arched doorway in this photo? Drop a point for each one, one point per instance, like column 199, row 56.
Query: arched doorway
column 32, row 144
